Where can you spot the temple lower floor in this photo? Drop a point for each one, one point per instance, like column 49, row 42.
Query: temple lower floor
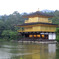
column 40, row 35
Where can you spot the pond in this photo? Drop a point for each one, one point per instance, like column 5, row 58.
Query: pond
column 15, row 50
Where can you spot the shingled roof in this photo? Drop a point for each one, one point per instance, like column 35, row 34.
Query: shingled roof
column 38, row 13
column 36, row 23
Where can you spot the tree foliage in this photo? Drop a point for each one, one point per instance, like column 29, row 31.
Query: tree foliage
column 9, row 34
column 57, row 34
column 8, row 23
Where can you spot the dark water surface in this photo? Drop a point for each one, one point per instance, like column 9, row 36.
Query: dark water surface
column 14, row 50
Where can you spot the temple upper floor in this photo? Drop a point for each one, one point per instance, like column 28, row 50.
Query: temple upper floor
column 38, row 19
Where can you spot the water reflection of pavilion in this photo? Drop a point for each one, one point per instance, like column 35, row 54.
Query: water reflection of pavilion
column 52, row 51
column 46, row 51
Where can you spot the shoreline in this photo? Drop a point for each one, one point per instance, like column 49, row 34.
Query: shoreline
column 38, row 42
column 29, row 42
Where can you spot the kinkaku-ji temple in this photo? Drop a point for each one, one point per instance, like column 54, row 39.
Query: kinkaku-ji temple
column 38, row 26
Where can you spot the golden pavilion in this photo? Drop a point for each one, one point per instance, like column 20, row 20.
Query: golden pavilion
column 38, row 26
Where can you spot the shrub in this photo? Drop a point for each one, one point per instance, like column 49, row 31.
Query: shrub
column 10, row 35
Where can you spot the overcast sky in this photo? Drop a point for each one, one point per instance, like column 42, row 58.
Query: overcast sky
column 9, row 6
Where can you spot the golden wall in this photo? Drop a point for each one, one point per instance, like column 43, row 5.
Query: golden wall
column 33, row 19
column 38, row 19
column 39, row 28
column 48, row 29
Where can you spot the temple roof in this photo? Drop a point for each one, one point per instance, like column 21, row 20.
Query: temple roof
column 36, row 23
column 38, row 13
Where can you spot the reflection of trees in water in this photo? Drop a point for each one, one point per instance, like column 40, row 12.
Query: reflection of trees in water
column 17, row 51
column 57, row 51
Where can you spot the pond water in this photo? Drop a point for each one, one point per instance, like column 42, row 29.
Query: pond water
column 14, row 50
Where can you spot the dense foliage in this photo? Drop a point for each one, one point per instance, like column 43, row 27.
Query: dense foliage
column 8, row 22
column 57, row 34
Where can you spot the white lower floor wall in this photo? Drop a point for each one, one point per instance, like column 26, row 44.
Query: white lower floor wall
column 52, row 36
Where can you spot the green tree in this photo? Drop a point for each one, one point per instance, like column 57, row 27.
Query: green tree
column 2, row 27
column 57, row 34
